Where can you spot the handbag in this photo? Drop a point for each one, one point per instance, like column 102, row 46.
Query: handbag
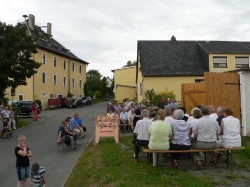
column 84, row 129
column 67, row 140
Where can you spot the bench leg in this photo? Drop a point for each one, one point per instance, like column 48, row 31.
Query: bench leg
column 58, row 147
column 229, row 158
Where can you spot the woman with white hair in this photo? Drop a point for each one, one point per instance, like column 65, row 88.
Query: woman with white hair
column 180, row 139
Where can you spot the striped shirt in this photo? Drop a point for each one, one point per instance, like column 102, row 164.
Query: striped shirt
column 39, row 176
column 180, row 129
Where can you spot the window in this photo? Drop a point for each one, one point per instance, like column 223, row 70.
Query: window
column 64, row 64
column 73, row 66
column 80, row 68
column 55, row 79
column 80, row 95
column 198, row 80
column 80, row 83
column 220, row 62
column 20, row 97
column 44, row 77
column 73, row 82
column 140, row 88
column 241, row 62
column 55, row 62
column 44, row 58
column 64, row 81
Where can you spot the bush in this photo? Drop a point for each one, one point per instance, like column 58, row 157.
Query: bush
column 69, row 94
column 98, row 94
column 5, row 100
column 39, row 103
column 153, row 98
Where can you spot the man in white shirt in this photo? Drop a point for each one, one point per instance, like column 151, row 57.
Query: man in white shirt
column 168, row 118
column 142, row 132
column 212, row 114
column 127, row 103
column 206, row 130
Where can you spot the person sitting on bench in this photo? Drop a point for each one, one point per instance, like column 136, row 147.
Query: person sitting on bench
column 206, row 131
column 62, row 136
column 142, row 132
column 181, row 139
column 230, row 132
column 160, row 133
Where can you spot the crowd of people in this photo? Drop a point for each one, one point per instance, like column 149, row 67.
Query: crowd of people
column 70, row 130
column 7, row 116
column 169, row 127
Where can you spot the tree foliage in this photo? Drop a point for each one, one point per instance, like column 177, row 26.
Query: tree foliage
column 16, row 57
column 95, row 83
column 129, row 63
column 153, row 98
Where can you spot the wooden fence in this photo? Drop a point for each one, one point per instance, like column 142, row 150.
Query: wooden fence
column 219, row 89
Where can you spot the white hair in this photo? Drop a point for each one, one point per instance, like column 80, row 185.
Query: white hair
column 178, row 114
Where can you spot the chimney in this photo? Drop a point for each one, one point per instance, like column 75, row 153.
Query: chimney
column 31, row 22
column 173, row 38
column 49, row 26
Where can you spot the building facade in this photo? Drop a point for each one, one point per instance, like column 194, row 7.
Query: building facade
column 60, row 71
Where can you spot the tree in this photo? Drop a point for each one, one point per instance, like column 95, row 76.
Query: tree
column 129, row 63
column 16, row 57
column 95, row 82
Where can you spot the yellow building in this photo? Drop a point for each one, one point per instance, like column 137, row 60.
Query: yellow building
column 61, row 71
column 124, row 83
column 165, row 65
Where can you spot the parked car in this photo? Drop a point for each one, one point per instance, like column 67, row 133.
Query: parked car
column 25, row 108
column 64, row 102
column 75, row 103
column 54, row 103
column 86, row 100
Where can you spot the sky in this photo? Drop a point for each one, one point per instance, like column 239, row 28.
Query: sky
column 104, row 33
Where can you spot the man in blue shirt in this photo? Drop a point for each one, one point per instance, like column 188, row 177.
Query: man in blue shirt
column 80, row 125
column 74, row 126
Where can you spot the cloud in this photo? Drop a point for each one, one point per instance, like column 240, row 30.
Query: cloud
column 105, row 33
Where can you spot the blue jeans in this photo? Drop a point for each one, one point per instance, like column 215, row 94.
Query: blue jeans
column 22, row 172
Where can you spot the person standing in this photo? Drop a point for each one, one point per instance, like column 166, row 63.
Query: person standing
column 6, row 116
column 22, row 153
column 12, row 119
column 34, row 110
column 37, row 175
column 161, row 104
column 1, row 125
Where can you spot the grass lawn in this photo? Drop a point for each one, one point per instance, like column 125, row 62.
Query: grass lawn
column 110, row 164
column 22, row 124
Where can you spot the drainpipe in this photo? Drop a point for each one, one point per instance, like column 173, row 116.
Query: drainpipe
column 243, row 101
column 69, row 78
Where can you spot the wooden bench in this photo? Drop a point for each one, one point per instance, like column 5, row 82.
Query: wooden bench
column 225, row 151
column 60, row 143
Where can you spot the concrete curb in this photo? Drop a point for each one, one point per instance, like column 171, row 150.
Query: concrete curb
column 90, row 140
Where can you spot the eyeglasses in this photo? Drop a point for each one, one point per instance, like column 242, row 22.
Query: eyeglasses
column 20, row 140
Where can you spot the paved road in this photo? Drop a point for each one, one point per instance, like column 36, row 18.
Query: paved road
column 41, row 138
